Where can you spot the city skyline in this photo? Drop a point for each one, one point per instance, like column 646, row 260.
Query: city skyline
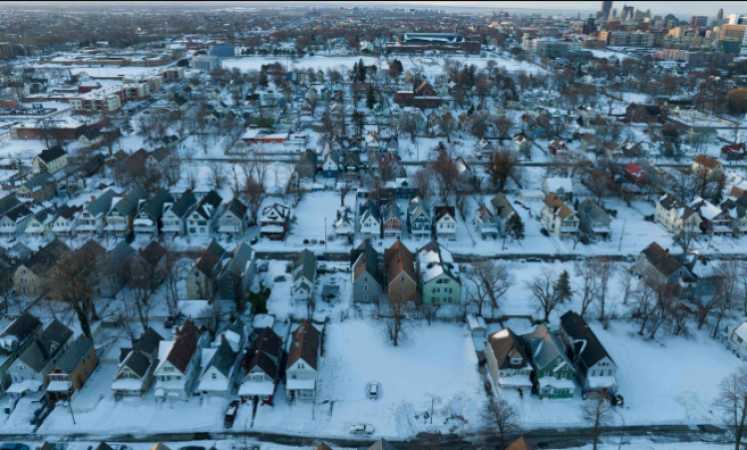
column 709, row 9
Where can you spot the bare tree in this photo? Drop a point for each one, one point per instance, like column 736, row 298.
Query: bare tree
column 424, row 184
column 217, row 174
column 544, row 293
column 173, row 273
column 502, row 165
column 732, row 402
column 73, row 281
column 395, row 322
column 446, row 174
column 685, row 235
column 491, row 282
column 605, row 272
column 254, row 193
column 346, row 186
column 586, row 270
column 505, row 418
column 596, row 412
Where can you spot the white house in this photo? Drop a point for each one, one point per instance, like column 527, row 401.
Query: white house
column 201, row 220
column 219, row 369
column 234, row 220
column 303, row 362
column 370, row 220
column 174, row 217
column 179, row 363
column 558, row 218
column 262, row 367
column 444, row 220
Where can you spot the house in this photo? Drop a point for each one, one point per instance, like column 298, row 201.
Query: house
column 148, row 220
column 237, row 275
column 38, row 189
column 344, row 229
column 521, row 144
column 369, row 219
column 561, row 187
column 304, row 275
column 596, row 369
column 174, row 217
column 486, row 223
column 391, row 220
column 658, row 263
column 261, row 366
column 234, row 220
column 119, row 220
column 713, row 219
column 671, row 213
column 29, row 373
column 73, row 368
column 219, row 370
column 509, row 365
column 14, row 340
column 400, row 274
column 136, row 371
column 635, row 174
column 444, row 222
column 366, row 276
column 419, row 224
column 91, row 139
column 558, row 147
column 733, row 152
column 66, row 223
column 93, row 217
column 557, row 217
column 202, row 278
column 307, row 164
column 502, row 211
column 114, row 259
column 274, row 221
column 304, row 356
column 155, row 259
column 711, row 168
column 593, row 220
column 331, row 164
column 30, row 277
column 438, row 276
column 179, row 363
column 553, row 371
column 201, row 220
column 14, row 221
column 40, row 225
column 51, row 160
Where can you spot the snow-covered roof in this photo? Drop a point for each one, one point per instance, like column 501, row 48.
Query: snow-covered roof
column 300, row 384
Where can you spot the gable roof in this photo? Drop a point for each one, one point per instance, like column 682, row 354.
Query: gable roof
column 661, row 260
column 557, row 205
column 367, row 262
column 501, row 206
column 440, row 212
column 223, row 358
column 545, row 347
column 51, row 154
column 589, row 349
column 43, row 260
column 505, row 345
column 154, row 206
column 381, row 444
column 706, row 161
column 153, row 253
column 304, row 345
column 184, row 347
column 183, row 205
column 74, row 354
column 398, row 259
column 520, row 444
column 21, row 328
column 209, row 204
column 148, row 342
column 137, row 362
column 102, row 204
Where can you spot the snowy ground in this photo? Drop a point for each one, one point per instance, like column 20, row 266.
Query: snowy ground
column 413, row 377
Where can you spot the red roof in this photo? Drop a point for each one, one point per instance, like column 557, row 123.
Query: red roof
column 633, row 168
column 733, row 148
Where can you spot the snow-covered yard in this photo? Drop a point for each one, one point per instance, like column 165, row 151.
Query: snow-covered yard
column 435, row 367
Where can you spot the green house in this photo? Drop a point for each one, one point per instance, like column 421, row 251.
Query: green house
column 439, row 276
column 554, row 372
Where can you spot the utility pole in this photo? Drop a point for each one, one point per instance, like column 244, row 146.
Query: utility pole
column 622, row 233
column 325, row 233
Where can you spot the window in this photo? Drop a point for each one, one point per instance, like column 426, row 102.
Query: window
column 301, row 366
column 214, row 376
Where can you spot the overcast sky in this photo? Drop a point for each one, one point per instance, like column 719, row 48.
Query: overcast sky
column 703, row 8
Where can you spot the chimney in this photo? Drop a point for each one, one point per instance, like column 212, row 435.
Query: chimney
column 93, row 198
column 125, row 196
column 40, row 248
column 223, row 337
column 667, row 257
column 178, row 331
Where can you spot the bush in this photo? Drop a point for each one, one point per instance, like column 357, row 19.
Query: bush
column 305, row 241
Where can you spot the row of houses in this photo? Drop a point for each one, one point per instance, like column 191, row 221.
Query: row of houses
column 549, row 363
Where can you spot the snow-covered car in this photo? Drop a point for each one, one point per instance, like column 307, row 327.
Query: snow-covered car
column 360, row 428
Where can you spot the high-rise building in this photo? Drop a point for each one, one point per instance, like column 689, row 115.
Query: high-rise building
column 720, row 14
column 698, row 21
column 588, row 26
column 606, row 8
column 627, row 13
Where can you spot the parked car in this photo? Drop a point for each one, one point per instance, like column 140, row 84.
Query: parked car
column 262, row 267
column 254, row 240
column 231, row 412
column 360, row 428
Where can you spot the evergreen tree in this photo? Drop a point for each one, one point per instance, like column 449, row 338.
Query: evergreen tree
column 262, row 79
column 471, row 110
column 355, row 73
column 361, row 71
column 563, row 290
column 370, row 99
column 515, row 227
